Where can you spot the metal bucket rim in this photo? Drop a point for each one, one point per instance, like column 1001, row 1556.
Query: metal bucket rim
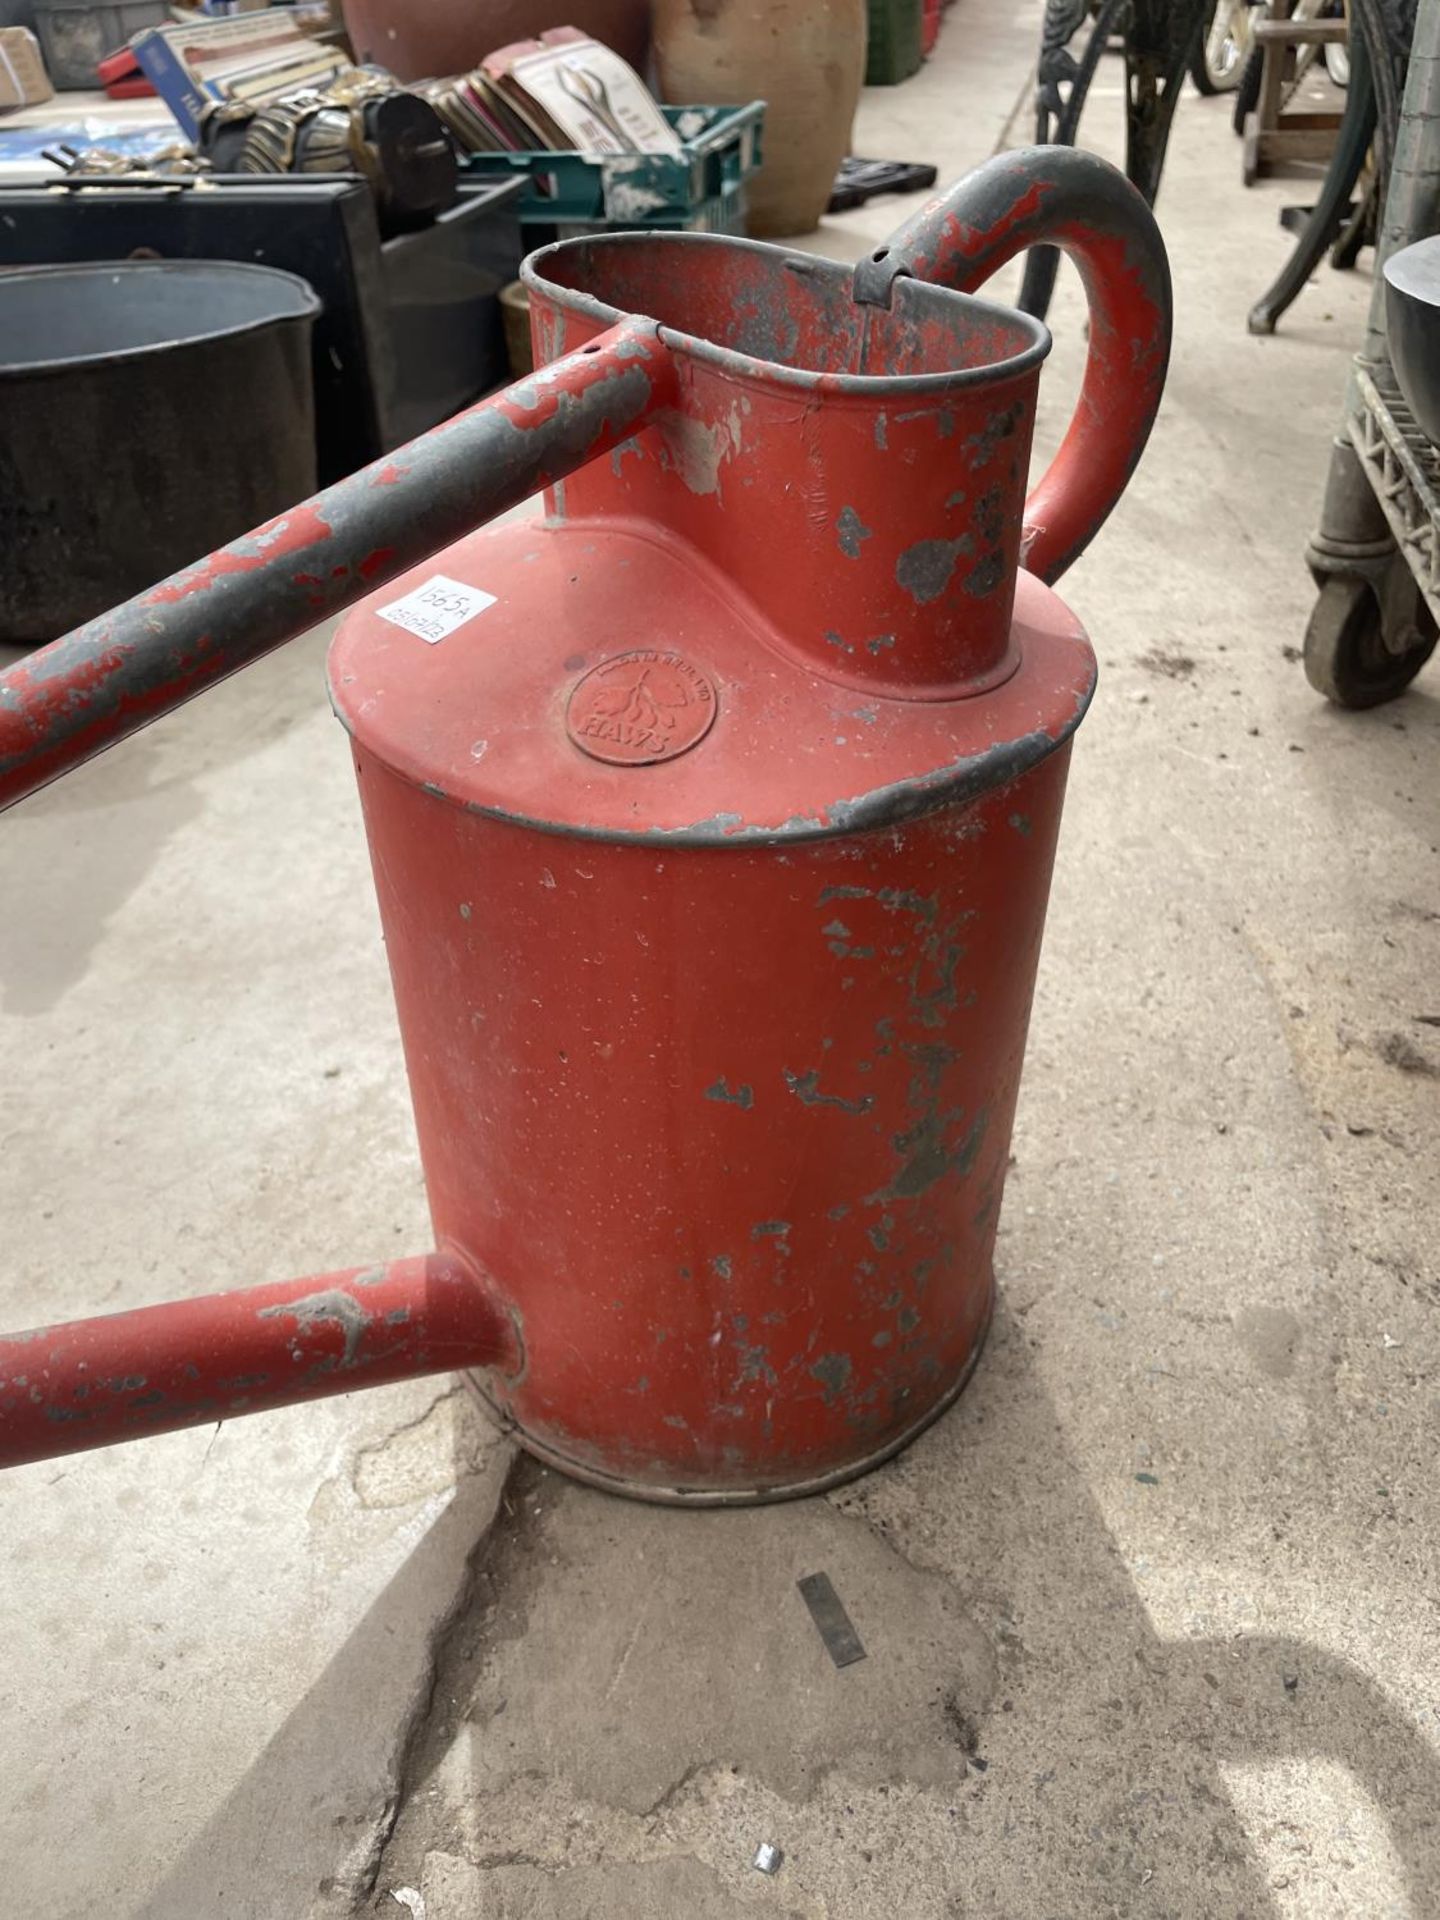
column 737, row 363
column 307, row 307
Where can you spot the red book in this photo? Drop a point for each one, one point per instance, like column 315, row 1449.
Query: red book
column 121, row 77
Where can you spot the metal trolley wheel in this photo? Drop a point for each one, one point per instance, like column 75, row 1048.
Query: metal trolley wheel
column 1346, row 655
column 1217, row 63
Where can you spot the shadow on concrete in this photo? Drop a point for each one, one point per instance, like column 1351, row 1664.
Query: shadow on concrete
column 306, row 1812
column 79, row 848
column 1086, row 1752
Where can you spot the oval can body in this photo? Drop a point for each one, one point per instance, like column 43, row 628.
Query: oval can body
column 714, row 1050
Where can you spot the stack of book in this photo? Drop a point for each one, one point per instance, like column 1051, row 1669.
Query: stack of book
column 249, row 58
column 562, row 91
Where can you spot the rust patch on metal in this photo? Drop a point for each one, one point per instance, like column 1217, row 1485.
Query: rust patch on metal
column 851, row 533
column 924, row 570
column 833, row 1371
column 930, row 1155
column 741, row 1096
column 806, row 1089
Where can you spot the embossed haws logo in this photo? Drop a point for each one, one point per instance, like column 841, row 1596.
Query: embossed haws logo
column 641, row 707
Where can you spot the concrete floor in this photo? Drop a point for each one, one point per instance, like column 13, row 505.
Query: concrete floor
column 1150, row 1616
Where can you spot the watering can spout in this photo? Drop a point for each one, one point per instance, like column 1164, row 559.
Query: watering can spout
column 190, row 1363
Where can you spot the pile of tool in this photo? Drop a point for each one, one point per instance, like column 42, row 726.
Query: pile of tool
column 361, row 122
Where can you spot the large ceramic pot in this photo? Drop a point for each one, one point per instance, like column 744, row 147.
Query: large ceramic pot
column 804, row 58
column 423, row 39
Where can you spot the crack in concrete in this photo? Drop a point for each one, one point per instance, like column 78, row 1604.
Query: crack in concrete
column 677, row 1787
column 372, row 1447
column 426, row 1735
column 376, row 1460
column 366, row 1874
column 851, row 1504
column 481, row 1692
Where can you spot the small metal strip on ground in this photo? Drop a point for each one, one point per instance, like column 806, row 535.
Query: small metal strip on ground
column 842, row 1642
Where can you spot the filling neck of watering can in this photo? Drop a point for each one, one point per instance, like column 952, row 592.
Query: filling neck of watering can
column 857, row 473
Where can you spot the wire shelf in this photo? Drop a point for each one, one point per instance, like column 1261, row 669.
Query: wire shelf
column 1403, row 469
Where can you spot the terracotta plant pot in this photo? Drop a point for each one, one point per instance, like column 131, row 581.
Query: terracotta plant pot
column 804, row 58
column 425, row 39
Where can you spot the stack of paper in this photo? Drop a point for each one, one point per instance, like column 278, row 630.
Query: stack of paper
column 561, row 91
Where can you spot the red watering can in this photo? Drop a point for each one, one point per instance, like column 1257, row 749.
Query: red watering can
column 712, row 817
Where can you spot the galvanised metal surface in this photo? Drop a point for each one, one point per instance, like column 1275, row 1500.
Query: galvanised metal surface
column 713, row 828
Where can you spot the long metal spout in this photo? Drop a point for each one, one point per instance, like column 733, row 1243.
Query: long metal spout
column 90, row 1383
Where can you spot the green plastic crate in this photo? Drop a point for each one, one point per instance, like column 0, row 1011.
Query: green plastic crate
column 720, row 213
column 893, row 50
column 701, row 189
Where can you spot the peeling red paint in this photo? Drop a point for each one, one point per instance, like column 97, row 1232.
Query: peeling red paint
column 854, row 1081
column 785, row 1201
column 289, row 533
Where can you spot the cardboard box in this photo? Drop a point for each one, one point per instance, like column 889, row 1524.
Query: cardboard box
column 23, row 79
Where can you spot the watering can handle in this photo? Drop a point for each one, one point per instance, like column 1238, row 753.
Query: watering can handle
column 1060, row 197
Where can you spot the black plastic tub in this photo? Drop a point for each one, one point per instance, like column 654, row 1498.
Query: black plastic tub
column 150, row 411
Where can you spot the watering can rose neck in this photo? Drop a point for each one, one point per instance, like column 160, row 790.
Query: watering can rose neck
column 871, row 526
